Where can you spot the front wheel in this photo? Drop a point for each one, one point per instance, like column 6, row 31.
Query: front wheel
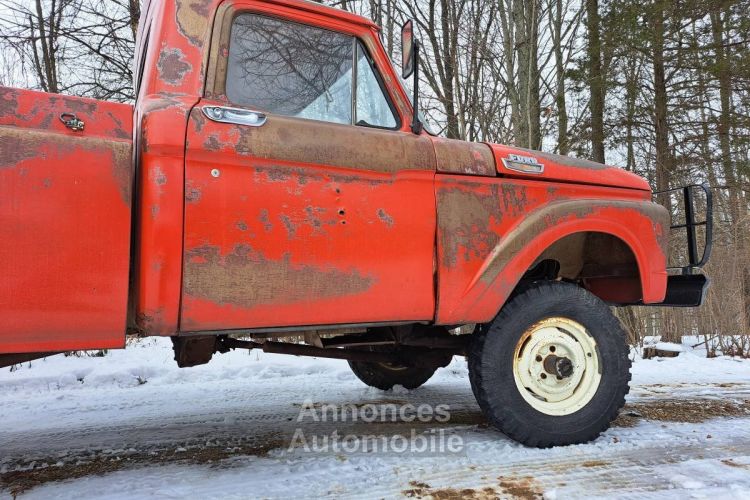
column 552, row 368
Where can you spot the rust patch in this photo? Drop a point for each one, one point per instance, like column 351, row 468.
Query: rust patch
column 122, row 168
column 565, row 160
column 193, row 194
column 212, row 143
column 78, row 105
column 514, row 199
column 662, row 231
column 8, row 102
column 462, row 157
column 18, row 145
column 119, row 131
column 291, row 227
column 313, row 218
column 280, row 175
column 296, row 141
column 246, row 278
column 265, row 220
column 158, row 176
column 199, row 120
column 385, row 217
column 302, row 176
column 164, row 101
column 173, row 66
column 464, row 218
column 47, row 121
column 548, row 216
column 148, row 321
column 192, row 19
column 241, row 225
column 15, row 148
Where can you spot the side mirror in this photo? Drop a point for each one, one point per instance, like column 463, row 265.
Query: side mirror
column 407, row 49
column 410, row 66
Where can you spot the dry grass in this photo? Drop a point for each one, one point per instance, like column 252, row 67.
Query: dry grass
column 508, row 487
column 16, row 482
column 688, row 410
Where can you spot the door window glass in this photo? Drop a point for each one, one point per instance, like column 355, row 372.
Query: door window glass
column 372, row 107
column 290, row 69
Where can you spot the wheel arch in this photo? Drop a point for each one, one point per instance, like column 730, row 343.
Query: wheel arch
column 602, row 262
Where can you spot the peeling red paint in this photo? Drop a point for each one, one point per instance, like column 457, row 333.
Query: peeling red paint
column 385, row 217
column 173, row 66
column 192, row 18
column 8, row 101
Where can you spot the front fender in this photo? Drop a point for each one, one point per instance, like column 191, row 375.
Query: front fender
column 521, row 235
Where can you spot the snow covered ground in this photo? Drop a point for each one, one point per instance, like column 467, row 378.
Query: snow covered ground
column 132, row 424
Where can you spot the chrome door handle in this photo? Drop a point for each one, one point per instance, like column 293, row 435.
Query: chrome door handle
column 234, row 115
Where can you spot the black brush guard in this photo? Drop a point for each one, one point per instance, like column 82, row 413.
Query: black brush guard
column 688, row 289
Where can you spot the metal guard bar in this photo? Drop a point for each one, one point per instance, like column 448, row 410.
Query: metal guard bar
column 690, row 225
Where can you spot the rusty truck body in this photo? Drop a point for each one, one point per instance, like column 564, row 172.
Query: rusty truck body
column 270, row 181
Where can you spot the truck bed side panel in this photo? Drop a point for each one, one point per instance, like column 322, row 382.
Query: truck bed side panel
column 65, row 214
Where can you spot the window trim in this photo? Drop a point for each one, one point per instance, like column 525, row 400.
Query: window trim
column 359, row 45
column 219, row 60
column 141, row 65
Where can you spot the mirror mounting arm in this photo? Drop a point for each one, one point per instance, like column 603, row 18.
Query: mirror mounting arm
column 416, row 124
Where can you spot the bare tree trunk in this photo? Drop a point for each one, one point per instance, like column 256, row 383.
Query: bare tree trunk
column 450, row 42
column 596, row 80
column 724, row 77
column 661, row 130
column 526, row 20
column 661, row 126
column 45, row 63
column 562, row 111
column 389, row 27
column 631, row 96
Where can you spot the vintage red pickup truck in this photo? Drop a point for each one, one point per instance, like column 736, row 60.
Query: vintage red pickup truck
column 273, row 179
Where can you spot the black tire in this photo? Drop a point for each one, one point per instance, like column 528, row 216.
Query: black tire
column 491, row 366
column 384, row 377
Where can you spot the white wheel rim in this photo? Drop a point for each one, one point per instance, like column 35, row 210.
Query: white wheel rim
column 543, row 357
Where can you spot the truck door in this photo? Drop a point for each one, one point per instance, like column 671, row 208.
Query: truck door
column 65, row 205
column 307, row 200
